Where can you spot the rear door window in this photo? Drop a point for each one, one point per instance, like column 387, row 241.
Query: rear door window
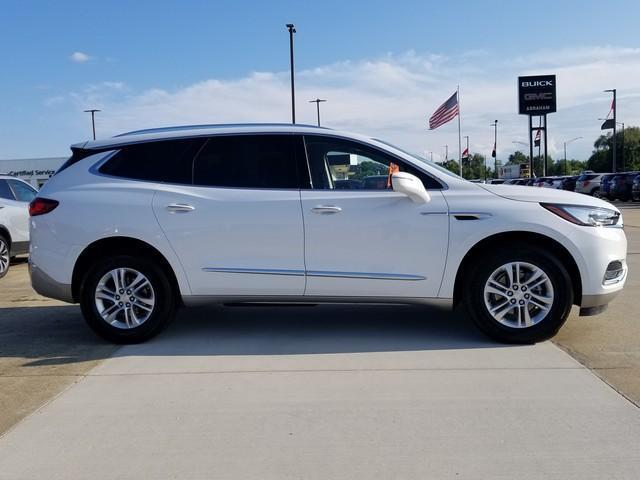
column 5, row 191
column 168, row 161
column 251, row 161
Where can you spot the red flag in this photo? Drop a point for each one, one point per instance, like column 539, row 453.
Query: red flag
column 465, row 153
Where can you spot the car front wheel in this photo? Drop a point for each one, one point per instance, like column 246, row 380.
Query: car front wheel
column 521, row 295
column 4, row 256
column 126, row 299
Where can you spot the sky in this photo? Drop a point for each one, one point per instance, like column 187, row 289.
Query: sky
column 382, row 66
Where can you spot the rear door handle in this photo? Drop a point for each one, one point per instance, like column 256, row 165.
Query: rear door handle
column 326, row 209
column 180, row 208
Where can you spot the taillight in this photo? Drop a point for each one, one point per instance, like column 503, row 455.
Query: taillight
column 585, row 183
column 40, row 206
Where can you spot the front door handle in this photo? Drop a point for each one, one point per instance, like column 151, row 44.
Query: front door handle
column 326, row 209
column 180, row 208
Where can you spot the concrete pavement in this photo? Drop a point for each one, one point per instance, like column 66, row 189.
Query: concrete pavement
column 329, row 392
column 609, row 344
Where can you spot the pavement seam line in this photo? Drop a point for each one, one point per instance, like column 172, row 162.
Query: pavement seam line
column 55, row 397
column 337, row 370
column 595, row 374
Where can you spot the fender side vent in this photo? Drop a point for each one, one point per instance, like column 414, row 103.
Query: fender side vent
column 467, row 217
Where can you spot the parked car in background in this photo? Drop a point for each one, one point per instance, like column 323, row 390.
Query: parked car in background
column 134, row 226
column 605, row 185
column 589, row 183
column 496, row 181
column 15, row 195
column 635, row 189
column 348, row 184
column 621, row 186
column 569, row 183
column 555, row 182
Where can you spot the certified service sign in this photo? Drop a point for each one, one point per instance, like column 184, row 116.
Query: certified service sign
column 537, row 94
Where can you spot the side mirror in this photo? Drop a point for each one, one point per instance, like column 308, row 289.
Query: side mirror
column 411, row 186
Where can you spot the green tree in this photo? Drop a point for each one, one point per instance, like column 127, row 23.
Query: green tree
column 627, row 151
column 474, row 167
column 517, row 157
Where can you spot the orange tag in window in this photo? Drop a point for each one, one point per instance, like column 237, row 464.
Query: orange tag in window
column 393, row 168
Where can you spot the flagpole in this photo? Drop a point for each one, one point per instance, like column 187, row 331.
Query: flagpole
column 459, row 134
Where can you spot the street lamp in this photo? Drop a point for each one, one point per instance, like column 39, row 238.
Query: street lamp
column 613, row 108
column 292, row 30
column 565, row 152
column 462, row 157
column 317, row 102
column 93, row 111
column 495, row 146
column 615, row 140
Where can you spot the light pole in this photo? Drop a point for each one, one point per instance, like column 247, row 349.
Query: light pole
column 565, row 152
column 292, row 30
column 621, row 156
column 93, row 111
column 462, row 157
column 446, row 153
column 495, row 146
column 614, row 108
column 317, row 102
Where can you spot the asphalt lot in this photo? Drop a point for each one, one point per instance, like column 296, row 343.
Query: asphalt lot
column 317, row 392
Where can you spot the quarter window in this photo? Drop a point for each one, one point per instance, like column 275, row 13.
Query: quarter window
column 250, row 161
column 167, row 161
column 342, row 164
column 22, row 191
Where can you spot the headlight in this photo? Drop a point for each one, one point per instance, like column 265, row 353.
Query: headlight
column 586, row 216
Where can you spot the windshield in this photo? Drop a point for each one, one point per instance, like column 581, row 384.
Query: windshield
column 420, row 159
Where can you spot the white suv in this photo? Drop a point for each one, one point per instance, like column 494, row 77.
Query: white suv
column 15, row 195
column 133, row 226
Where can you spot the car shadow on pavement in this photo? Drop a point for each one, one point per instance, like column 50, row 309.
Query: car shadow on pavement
column 57, row 335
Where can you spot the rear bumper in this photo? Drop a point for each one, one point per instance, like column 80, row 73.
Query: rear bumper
column 47, row 286
column 19, row 248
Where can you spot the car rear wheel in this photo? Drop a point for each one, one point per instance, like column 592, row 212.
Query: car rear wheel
column 126, row 299
column 521, row 295
column 596, row 193
column 4, row 256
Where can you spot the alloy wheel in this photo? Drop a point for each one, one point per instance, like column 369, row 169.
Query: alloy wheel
column 124, row 298
column 4, row 257
column 518, row 295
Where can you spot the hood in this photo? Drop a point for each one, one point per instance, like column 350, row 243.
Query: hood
column 548, row 195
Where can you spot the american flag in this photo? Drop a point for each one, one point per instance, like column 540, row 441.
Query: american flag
column 536, row 141
column 445, row 112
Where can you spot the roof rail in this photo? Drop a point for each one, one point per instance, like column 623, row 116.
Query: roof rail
column 214, row 125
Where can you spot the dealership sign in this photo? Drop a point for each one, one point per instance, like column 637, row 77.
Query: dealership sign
column 537, row 94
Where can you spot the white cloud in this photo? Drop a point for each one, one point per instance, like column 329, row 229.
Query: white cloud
column 79, row 57
column 392, row 97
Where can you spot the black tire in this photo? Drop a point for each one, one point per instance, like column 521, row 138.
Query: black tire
column 4, row 262
column 549, row 325
column 162, row 312
column 596, row 193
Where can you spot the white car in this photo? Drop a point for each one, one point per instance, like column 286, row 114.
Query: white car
column 134, row 226
column 589, row 183
column 15, row 195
